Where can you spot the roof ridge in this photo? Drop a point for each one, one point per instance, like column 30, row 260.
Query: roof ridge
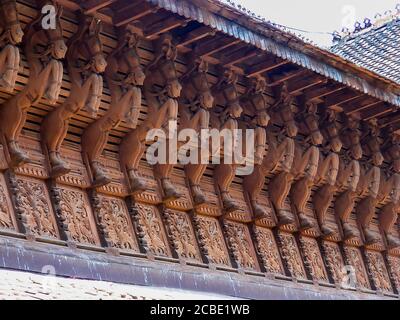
column 379, row 21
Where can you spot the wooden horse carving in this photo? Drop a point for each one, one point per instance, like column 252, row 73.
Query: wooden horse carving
column 349, row 174
column 305, row 165
column 44, row 49
column 370, row 179
column 162, row 90
column 85, row 61
column 124, row 77
column 194, row 106
column 227, row 96
column 327, row 170
column 389, row 192
column 10, row 36
column 278, row 161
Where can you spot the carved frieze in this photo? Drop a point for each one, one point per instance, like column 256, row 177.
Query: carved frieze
column 240, row 244
column 354, row 259
column 75, row 216
column 181, row 233
column 33, row 207
column 394, row 269
column 334, row 261
column 291, row 255
column 313, row 259
column 6, row 218
column 211, row 240
column 267, row 250
column 112, row 217
column 378, row 272
column 151, row 230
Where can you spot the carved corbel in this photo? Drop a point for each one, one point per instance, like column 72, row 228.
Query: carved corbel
column 306, row 163
column 389, row 192
column 44, row 49
column 10, row 37
column 349, row 173
column 257, row 119
column 279, row 159
column 227, row 96
column 370, row 179
column 124, row 77
column 86, row 62
column 328, row 169
column 162, row 90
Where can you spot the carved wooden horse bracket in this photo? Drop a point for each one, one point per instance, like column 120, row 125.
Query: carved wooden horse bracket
column 278, row 160
column 10, row 36
column 327, row 170
column 389, row 192
column 44, row 49
column 370, row 179
column 85, row 60
column 124, row 77
column 162, row 90
column 349, row 173
column 305, row 164
column 227, row 96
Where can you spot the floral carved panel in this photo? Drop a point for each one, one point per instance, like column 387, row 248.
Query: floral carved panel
column 334, row 260
column 394, row 267
column 313, row 259
column 378, row 271
column 241, row 246
column 75, row 215
column 6, row 218
column 113, row 220
column 33, row 207
column 181, row 232
column 267, row 250
column 291, row 254
column 151, row 230
column 355, row 260
column 211, row 240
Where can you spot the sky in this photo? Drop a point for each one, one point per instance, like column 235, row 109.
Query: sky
column 318, row 15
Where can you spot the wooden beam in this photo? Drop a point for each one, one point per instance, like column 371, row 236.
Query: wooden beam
column 286, row 77
column 265, row 66
column 194, row 35
column 390, row 120
column 378, row 111
column 299, row 86
column 363, row 105
column 215, row 45
column 94, row 5
column 239, row 56
column 318, row 93
column 172, row 22
column 342, row 98
column 133, row 13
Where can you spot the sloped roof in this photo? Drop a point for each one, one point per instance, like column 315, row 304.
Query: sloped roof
column 376, row 49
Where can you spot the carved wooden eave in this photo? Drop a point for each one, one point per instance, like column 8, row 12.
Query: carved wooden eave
column 324, row 192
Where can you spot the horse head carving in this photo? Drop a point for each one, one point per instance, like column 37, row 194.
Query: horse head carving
column 310, row 121
column 330, row 130
column 371, row 142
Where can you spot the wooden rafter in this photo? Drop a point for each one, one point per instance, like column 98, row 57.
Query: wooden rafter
column 325, row 90
column 381, row 109
column 194, row 35
column 297, row 87
column 265, row 66
column 239, row 56
column 214, row 45
column 288, row 76
column 364, row 104
column 154, row 29
column 342, row 98
column 133, row 13
column 94, row 5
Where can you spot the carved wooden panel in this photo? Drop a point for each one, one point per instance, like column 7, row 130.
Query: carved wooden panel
column 3, row 161
column 394, row 269
column 7, row 218
column 112, row 217
column 268, row 251
column 240, row 244
column 211, row 240
column 290, row 253
column 378, row 272
column 355, row 260
column 313, row 259
column 334, row 261
column 152, row 194
column 75, row 215
column 112, row 168
column 184, row 202
column 33, row 207
column 78, row 176
column 181, row 233
column 151, row 230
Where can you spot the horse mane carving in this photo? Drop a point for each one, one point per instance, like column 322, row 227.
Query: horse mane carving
column 124, row 77
column 44, row 49
column 11, row 35
column 85, row 61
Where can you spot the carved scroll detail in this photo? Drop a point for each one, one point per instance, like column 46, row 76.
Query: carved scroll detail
column 211, row 240
column 267, row 249
column 291, row 255
column 334, row 261
column 240, row 245
column 10, row 36
column 313, row 259
column 378, row 271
